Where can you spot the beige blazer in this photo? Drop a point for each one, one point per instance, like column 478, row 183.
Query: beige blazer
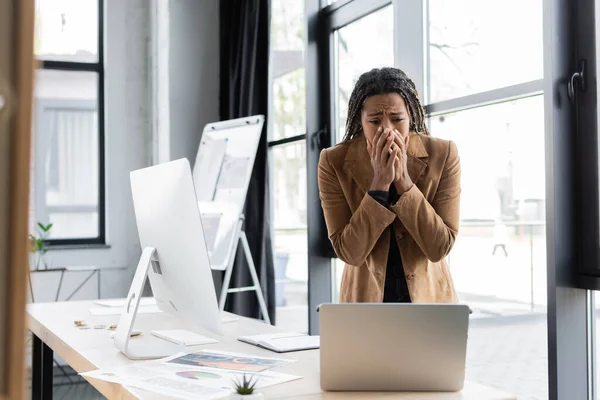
column 425, row 219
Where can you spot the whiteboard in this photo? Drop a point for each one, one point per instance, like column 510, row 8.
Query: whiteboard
column 208, row 167
column 222, row 173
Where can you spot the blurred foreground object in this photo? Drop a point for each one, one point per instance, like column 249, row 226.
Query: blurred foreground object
column 16, row 91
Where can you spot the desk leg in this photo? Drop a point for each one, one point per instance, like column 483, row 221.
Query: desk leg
column 42, row 370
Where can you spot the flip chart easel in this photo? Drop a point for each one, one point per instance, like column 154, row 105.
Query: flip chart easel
column 221, row 173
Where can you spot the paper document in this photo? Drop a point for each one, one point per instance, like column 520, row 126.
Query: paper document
column 152, row 379
column 119, row 310
column 207, row 167
column 144, row 301
column 234, row 173
column 229, row 361
column 182, row 380
column 283, row 342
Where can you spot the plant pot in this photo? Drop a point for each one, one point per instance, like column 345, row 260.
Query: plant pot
column 253, row 396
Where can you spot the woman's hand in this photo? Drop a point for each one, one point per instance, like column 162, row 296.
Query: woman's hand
column 402, row 180
column 383, row 159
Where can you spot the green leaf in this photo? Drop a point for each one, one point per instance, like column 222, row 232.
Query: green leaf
column 45, row 228
column 39, row 245
column 246, row 386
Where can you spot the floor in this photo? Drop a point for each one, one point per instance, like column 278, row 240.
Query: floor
column 73, row 387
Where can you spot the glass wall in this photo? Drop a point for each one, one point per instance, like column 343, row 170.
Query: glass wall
column 364, row 44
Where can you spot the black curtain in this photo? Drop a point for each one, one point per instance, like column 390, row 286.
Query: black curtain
column 244, row 84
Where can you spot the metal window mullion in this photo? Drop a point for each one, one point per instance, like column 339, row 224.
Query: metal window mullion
column 500, row 95
column 567, row 307
column 71, row 66
column 591, row 343
column 409, row 43
column 318, row 114
column 337, row 16
column 288, row 140
column 101, row 129
column 334, row 79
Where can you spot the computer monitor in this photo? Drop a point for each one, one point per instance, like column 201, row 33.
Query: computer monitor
column 174, row 256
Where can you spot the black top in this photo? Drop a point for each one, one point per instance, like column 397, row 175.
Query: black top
column 396, row 288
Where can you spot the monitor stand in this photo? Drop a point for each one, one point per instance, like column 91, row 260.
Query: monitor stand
column 132, row 347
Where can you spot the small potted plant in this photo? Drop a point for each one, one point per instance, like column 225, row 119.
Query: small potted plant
column 38, row 247
column 244, row 389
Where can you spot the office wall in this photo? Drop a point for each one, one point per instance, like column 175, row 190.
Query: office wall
column 194, row 72
column 154, row 59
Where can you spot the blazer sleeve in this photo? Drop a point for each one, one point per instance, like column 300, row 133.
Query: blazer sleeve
column 434, row 226
column 353, row 235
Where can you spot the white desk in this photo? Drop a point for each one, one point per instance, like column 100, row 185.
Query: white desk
column 87, row 350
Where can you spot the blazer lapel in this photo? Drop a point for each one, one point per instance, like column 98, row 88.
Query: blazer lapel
column 417, row 158
column 359, row 162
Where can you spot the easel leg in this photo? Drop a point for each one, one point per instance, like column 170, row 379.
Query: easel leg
column 259, row 293
column 225, row 286
column 228, row 271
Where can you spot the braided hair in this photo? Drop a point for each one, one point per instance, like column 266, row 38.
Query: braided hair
column 383, row 81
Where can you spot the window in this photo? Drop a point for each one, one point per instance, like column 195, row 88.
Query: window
column 287, row 143
column 493, row 109
column 477, row 46
column 498, row 262
column 68, row 160
column 373, row 36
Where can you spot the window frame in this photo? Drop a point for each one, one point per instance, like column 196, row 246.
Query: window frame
column 98, row 68
column 273, row 144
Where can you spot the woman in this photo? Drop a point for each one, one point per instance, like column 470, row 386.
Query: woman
column 390, row 194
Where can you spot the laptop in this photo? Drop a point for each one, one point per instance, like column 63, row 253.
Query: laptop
column 393, row 347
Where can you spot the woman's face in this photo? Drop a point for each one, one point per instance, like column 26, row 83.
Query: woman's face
column 386, row 110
